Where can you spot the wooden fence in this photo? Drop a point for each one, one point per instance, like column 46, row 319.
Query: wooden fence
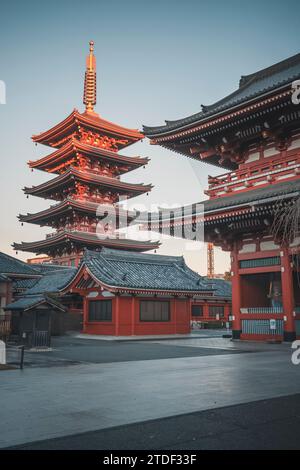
column 5, row 326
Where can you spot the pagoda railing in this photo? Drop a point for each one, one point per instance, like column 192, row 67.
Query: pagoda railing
column 255, row 171
column 262, row 310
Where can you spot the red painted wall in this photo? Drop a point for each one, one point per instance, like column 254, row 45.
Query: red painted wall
column 126, row 318
column 254, row 290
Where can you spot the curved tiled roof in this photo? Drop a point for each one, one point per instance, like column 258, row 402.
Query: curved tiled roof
column 278, row 190
column 251, row 87
column 49, row 268
column 90, row 239
column 70, row 204
column 10, row 265
column 127, row 270
column 75, row 145
column 221, row 287
column 73, row 174
column 52, row 282
column 23, row 284
column 31, row 301
column 94, row 122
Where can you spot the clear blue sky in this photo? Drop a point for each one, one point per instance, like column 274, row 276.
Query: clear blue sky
column 156, row 60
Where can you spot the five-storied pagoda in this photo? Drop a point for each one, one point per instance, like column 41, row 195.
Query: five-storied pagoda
column 87, row 187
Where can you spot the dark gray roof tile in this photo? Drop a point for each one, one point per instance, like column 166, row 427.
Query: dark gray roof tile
column 251, row 196
column 221, row 287
column 22, row 284
column 10, row 265
column 143, row 271
column 31, row 301
column 52, row 282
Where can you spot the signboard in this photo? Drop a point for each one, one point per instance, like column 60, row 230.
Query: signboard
column 272, row 324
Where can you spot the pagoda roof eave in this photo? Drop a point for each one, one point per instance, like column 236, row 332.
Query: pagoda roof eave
column 84, row 239
column 92, row 121
column 87, row 177
column 74, row 145
column 74, row 205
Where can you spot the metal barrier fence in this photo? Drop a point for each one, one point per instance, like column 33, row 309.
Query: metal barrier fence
column 262, row 310
column 261, row 327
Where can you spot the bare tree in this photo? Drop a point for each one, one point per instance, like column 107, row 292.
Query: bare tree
column 286, row 223
column 286, row 229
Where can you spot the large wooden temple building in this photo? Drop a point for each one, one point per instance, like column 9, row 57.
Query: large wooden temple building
column 86, row 187
column 253, row 209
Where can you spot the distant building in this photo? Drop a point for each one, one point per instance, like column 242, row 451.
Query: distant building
column 15, row 277
column 215, row 309
column 39, row 260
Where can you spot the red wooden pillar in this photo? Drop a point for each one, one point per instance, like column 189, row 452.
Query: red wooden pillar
column 85, row 313
column 133, row 315
column 174, row 313
column 236, row 294
column 190, row 303
column 117, row 311
column 205, row 311
column 289, row 333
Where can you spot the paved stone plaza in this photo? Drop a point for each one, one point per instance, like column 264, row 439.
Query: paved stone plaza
column 87, row 385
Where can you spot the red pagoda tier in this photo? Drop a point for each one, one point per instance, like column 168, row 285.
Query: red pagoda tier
column 87, row 184
column 88, row 156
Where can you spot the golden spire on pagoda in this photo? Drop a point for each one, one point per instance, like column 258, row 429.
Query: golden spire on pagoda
column 89, row 94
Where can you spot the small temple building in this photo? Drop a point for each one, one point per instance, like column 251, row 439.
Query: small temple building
column 252, row 210
column 32, row 308
column 86, row 187
column 136, row 294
